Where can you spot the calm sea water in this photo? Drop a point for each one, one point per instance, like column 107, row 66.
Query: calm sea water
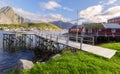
column 8, row 60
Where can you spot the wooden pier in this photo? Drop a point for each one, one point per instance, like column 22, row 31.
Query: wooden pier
column 50, row 41
column 13, row 41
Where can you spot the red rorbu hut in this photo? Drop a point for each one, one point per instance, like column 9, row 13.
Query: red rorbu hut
column 97, row 30
column 114, row 20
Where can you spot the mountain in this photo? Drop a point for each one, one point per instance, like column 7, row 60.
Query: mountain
column 63, row 25
column 8, row 16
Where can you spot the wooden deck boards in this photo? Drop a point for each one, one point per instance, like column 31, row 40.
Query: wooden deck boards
column 104, row 52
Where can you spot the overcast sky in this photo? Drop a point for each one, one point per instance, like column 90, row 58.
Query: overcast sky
column 53, row 10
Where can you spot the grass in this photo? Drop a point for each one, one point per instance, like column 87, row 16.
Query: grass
column 94, row 26
column 10, row 26
column 114, row 46
column 41, row 26
column 79, row 63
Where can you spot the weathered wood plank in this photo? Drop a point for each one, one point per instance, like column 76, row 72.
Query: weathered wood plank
column 104, row 52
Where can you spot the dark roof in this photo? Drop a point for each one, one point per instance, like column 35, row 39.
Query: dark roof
column 114, row 18
column 98, row 26
column 77, row 26
column 111, row 26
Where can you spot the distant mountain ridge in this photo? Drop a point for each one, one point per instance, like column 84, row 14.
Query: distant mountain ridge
column 8, row 16
column 63, row 25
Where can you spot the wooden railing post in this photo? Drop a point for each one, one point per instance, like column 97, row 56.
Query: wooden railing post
column 76, row 38
column 57, row 39
column 59, row 35
column 81, row 41
column 46, row 36
column 67, row 39
column 93, row 41
column 50, row 36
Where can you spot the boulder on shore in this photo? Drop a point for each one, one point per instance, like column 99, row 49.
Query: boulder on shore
column 23, row 64
column 57, row 55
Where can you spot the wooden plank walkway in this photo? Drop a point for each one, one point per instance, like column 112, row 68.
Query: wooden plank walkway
column 104, row 52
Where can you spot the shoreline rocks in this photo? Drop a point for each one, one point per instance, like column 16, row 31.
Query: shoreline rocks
column 56, row 55
column 23, row 64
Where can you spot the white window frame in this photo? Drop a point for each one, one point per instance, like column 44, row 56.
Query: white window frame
column 113, row 30
column 89, row 30
column 100, row 29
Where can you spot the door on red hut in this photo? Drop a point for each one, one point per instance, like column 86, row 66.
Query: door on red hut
column 83, row 31
column 113, row 32
column 89, row 31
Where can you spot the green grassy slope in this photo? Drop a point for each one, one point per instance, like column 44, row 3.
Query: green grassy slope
column 79, row 63
column 42, row 26
column 10, row 26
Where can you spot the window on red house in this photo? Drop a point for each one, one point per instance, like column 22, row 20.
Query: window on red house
column 109, row 21
column 113, row 30
column 100, row 30
column 113, row 20
column 89, row 30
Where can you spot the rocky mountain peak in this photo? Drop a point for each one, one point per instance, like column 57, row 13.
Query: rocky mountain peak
column 8, row 16
column 6, row 9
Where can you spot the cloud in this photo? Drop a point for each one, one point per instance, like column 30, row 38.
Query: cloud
column 112, row 12
column 96, row 13
column 111, row 2
column 91, row 12
column 101, row 2
column 39, row 17
column 107, row 2
column 68, row 9
column 51, row 5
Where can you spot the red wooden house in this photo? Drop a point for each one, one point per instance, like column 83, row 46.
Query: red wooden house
column 114, row 20
column 97, row 30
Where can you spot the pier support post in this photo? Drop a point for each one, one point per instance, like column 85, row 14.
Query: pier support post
column 93, row 40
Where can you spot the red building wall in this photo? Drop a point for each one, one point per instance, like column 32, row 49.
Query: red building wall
column 114, row 20
column 100, row 32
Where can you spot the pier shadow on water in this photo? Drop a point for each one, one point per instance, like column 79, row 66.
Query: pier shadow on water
column 43, row 55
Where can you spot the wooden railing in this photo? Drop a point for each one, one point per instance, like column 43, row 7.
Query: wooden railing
column 58, row 37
